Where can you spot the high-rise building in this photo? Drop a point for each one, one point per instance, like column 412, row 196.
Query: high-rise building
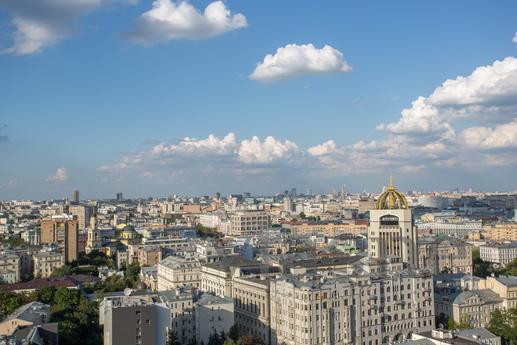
column 83, row 214
column 391, row 231
column 75, row 196
column 120, row 196
column 64, row 230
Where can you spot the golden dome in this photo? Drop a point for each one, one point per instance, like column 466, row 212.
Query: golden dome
column 390, row 199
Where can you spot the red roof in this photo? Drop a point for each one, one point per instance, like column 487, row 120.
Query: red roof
column 71, row 281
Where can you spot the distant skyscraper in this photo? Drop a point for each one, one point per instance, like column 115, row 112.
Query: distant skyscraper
column 120, row 196
column 293, row 192
column 75, row 196
column 391, row 231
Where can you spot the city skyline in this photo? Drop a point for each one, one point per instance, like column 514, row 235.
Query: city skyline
column 97, row 97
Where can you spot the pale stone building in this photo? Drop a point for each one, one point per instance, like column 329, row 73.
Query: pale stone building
column 246, row 223
column 10, row 263
column 391, row 231
column 505, row 287
column 252, row 305
column 212, row 314
column 46, row 262
column 378, row 303
column 175, row 272
column 439, row 254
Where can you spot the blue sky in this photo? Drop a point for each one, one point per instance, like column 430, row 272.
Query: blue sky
column 89, row 95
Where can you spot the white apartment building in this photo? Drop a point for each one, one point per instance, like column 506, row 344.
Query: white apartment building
column 500, row 254
column 176, row 272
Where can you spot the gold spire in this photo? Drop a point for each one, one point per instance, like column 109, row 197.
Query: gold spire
column 391, row 199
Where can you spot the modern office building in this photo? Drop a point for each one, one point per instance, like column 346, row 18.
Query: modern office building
column 75, row 196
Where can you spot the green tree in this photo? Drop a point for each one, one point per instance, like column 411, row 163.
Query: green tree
column 62, row 271
column 46, row 294
column 302, row 215
column 9, row 302
column 132, row 274
column 504, row 324
column 234, row 333
column 172, row 339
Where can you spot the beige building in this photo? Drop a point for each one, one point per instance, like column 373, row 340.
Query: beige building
column 83, row 214
column 505, row 287
column 176, row 272
column 439, row 254
column 246, row 223
column 378, row 303
column 501, row 232
column 252, row 305
column 475, row 307
column 391, row 231
column 63, row 230
column 330, row 229
column 149, row 255
column 10, row 269
column 46, row 262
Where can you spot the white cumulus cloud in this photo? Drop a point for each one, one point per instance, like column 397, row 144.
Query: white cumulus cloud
column 168, row 20
column 502, row 136
column 212, row 144
column 43, row 23
column 514, row 39
column 60, row 175
column 326, row 148
column 489, row 94
column 294, row 59
column 257, row 151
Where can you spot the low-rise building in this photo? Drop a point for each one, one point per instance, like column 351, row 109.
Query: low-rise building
column 45, row 262
column 500, row 254
column 445, row 254
column 10, row 262
column 505, row 287
column 176, row 272
column 213, row 315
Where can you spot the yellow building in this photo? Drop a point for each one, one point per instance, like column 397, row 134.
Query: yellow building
column 501, row 232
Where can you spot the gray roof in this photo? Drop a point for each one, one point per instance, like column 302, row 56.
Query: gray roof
column 509, row 281
column 486, row 296
column 476, row 334
column 35, row 312
column 208, row 299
